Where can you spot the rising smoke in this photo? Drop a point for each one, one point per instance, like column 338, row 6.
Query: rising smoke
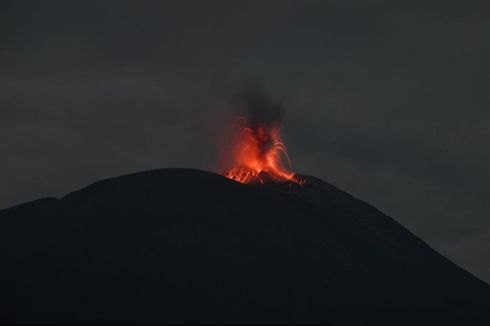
column 257, row 107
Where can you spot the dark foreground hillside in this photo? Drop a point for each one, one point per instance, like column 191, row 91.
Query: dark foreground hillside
column 187, row 245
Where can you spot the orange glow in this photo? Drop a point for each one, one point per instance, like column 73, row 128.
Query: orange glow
column 258, row 155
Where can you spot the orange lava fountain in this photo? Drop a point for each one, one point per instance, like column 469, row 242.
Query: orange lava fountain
column 258, row 155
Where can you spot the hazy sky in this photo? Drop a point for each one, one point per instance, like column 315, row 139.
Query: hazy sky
column 388, row 103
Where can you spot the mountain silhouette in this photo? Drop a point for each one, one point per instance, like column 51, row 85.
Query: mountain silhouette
column 187, row 245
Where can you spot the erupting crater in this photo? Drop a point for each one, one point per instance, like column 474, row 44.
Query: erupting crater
column 258, row 155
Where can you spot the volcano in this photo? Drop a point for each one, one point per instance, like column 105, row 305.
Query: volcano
column 186, row 245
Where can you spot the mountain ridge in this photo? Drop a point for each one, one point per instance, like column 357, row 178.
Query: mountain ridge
column 276, row 253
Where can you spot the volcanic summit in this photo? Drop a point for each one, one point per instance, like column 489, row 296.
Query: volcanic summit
column 179, row 245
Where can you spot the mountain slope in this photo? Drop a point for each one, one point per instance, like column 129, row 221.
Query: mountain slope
column 187, row 245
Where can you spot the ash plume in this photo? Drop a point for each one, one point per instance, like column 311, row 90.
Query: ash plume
column 258, row 108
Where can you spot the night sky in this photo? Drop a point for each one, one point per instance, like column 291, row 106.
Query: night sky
column 388, row 103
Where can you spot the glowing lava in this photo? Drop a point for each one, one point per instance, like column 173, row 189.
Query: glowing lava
column 258, row 155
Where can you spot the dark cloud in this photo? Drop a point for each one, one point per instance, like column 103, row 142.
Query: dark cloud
column 388, row 102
